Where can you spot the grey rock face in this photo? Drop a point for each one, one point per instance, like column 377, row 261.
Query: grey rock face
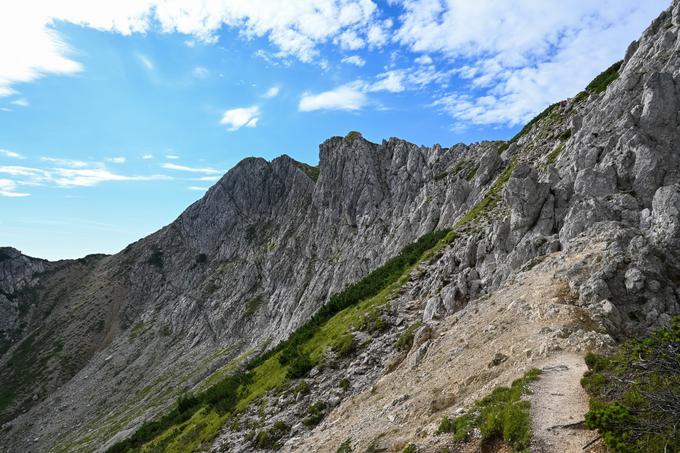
column 525, row 196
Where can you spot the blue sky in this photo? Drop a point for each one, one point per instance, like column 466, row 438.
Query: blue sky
column 115, row 117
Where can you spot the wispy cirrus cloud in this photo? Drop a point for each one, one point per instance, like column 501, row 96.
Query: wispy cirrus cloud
column 86, row 177
column 11, row 154
column 206, row 170
column 8, row 189
column 146, row 61
column 355, row 60
column 65, row 173
column 67, row 162
column 21, row 102
column 200, row 72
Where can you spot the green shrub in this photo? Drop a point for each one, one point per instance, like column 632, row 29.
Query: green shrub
column 202, row 258
column 463, row 427
column 345, row 447
column 446, row 426
column 581, row 96
column 298, row 365
column 269, row 439
column 253, row 305
column 535, row 120
column 500, row 416
column 156, row 258
column 302, row 388
column 602, row 81
column 635, row 393
column 344, row 384
column 312, row 172
column 344, row 345
column 372, row 322
column 410, row 448
column 405, row 340
column 472, row 173
column 352, row 135
column 315, row 413
column 554, row 154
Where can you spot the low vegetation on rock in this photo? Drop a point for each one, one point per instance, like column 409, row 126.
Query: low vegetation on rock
column 635, row 393
column 501, row 416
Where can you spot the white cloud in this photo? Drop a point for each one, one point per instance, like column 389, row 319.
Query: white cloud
column 147, row 156
column 294, row 28
column 66, row 162
column 21, row 102
column 272, row 92
column 378, row 33
column 116, row 160
column 8, row 189
column 521, row 55
column 69, row 175
column 197, row 188
column 345, row 97
column 16, row 170
column 86, row 177
column 356, row 60
column 392, row 81
column 349, row 40
column 172, row 156
column 207, row 178
column 12, row 154
column 241, row 117
column 206, row 170
column 200, row 72
column 423, row 59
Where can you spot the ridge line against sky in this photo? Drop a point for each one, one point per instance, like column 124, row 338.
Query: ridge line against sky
column 110, row 109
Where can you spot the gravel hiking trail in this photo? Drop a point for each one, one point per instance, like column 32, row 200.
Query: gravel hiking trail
column 559, row 405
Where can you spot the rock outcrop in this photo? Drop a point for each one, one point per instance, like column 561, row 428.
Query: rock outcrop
column 93, row 347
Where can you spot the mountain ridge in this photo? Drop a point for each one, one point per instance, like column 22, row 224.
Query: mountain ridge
column 267, row 246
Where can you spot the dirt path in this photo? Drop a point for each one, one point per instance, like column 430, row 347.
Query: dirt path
column 558, row 406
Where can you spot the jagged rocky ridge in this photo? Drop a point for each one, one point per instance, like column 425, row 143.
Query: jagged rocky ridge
column 92, row 347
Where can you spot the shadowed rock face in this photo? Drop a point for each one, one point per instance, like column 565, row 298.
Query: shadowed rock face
column 107, row 336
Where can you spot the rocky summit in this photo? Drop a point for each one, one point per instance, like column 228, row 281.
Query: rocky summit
column 356, row 305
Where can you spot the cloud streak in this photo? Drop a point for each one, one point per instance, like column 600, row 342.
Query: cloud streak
column 205, row 170
column 10, row 154
column 65, row 173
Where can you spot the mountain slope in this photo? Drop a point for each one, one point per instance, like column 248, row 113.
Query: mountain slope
column 271, row 242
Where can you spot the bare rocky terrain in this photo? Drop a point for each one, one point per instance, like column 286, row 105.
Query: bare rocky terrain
column 563, row 240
